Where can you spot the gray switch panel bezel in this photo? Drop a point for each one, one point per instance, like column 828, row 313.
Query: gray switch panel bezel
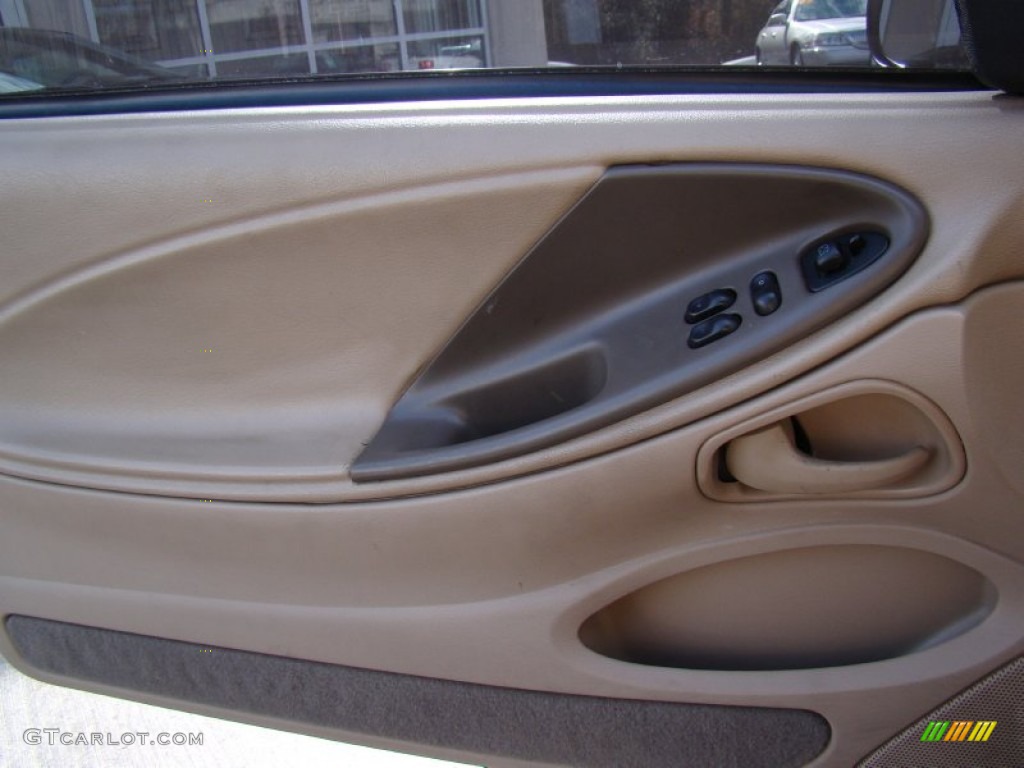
column 589, row 328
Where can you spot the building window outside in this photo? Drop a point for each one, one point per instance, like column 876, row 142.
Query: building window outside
column 260, row 38
column 161, row 30
column 353, row 21
column 264, row 39
column 652, row 32
column 47, row 14
column 440, row 15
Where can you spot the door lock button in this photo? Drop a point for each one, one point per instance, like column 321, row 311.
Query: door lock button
column 709, row 304
column 765, row 293
column 714, row 329
column 828, row 258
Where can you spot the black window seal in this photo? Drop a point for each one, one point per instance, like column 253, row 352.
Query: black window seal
column 479, row 84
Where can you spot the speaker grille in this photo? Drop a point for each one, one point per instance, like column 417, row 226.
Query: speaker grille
column 998, row 698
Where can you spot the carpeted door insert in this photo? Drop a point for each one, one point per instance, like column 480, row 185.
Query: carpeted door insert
column 528, row 725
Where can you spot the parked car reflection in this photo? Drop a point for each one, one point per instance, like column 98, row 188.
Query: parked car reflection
column 14, row 84
column 61, row 60
column 815, row 33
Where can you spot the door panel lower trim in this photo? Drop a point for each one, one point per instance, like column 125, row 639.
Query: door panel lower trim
column 526, row 725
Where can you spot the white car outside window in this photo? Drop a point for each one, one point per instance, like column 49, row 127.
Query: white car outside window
column 815, row 33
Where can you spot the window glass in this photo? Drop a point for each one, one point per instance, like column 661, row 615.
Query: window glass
column 244, row 25
column 53, row 65
column 67, row 16
column 154, row 31
column 447, row 53
column 58, row 60
column 86, row 44
column 440, row 15
column 352, row 20
column 818, row 10
column 362, row 58
column 276, row 65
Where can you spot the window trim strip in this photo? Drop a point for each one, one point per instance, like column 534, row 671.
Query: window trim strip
column 441, row 85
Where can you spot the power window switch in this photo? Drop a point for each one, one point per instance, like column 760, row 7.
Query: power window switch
column 709, row 304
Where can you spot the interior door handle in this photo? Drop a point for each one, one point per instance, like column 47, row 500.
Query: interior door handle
column 769, row 460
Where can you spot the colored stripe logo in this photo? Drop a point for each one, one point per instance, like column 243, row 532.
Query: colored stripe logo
column 959, row 730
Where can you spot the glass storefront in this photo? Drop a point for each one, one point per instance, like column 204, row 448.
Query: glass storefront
column 283, row 39
column 241, row 25
column 257, row 38
column 357, row 20
column 440, row 15
column 153, row 31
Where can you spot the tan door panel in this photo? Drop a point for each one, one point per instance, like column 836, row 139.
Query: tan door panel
column 185, row 385
column 319, row 313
